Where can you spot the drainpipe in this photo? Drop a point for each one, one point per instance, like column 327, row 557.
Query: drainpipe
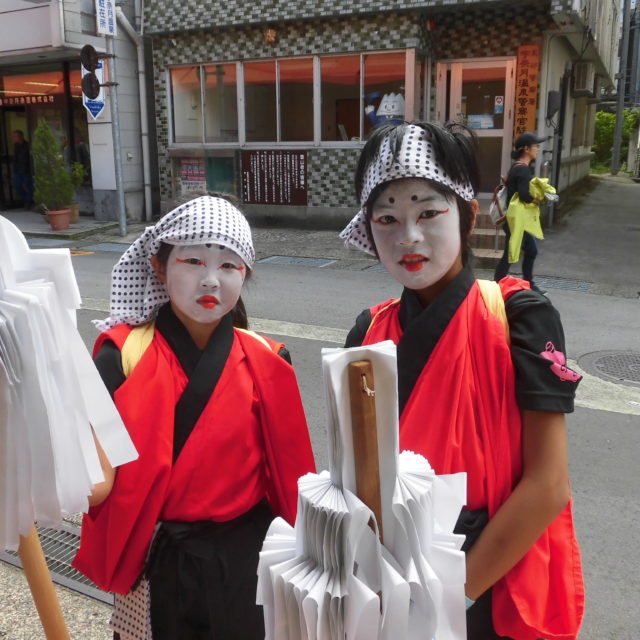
column 144, row 121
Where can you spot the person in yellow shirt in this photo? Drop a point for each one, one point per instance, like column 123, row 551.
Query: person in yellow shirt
column 527, row 147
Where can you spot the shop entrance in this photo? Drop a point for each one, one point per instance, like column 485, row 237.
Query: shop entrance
column 11, row 118
column 480, row 94
column 34, row 94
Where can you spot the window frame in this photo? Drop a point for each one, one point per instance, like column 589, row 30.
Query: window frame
column 317, row 142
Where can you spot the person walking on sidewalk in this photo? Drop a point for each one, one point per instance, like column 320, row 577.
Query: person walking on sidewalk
column 527, row 147
column 22, row 182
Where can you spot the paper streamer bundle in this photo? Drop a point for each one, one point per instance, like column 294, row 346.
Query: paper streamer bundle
column 330, row 577
column 50, row 394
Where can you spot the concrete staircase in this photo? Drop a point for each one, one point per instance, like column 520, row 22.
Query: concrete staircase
column 486, row 242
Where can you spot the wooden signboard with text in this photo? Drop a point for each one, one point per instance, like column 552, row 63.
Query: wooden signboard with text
column 526, row 102
column 274, row 177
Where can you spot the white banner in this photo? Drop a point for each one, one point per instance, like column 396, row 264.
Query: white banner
column 106, row 17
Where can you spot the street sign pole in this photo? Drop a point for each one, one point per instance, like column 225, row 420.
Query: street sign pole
column 115, row 128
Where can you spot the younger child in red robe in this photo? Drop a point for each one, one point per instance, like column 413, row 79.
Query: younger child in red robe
column 215, row 413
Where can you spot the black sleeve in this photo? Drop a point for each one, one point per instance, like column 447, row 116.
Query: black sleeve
column 359, row 330
column 543, row 382
column 285, row 355
column 108, row 362
column 522, row 176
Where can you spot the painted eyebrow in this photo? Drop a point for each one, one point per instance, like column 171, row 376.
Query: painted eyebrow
column 385, row 205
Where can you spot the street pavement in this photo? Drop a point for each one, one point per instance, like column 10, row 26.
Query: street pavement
column 590, row 265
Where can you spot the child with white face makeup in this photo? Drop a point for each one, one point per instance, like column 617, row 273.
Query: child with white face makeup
column 215, row 413
column 482, row 380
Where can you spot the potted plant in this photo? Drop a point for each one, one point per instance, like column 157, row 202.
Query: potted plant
column 52, row 182
column 77, row 178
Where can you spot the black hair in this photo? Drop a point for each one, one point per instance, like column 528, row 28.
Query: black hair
column 454, row 147
column 239, row 315
column 20, row 132
column 516, row 154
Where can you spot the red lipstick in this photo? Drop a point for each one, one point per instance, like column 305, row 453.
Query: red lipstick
column 208, row 302
column 413, row 261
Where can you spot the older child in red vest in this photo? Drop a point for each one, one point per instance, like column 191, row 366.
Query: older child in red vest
column 483, row 382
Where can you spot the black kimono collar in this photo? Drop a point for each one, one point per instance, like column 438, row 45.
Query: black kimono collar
column 202, row 368
column 423, row 327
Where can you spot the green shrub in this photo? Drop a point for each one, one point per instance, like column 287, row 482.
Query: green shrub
column 52, row 182
column 77, row 174
column 603, row 138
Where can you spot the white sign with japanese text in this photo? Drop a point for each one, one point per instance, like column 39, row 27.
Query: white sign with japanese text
column 106, row 17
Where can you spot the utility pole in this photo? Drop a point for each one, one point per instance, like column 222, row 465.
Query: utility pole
column 115, row 128
column 622, row 74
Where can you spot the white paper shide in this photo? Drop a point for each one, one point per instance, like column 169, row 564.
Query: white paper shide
column 330, row 577
column 50, row 393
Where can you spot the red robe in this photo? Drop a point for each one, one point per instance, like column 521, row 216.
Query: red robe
column 253, row 431
column 462, row 415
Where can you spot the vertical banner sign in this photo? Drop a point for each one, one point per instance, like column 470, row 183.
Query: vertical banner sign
column 192, row 175
column 274, row 177
column 106, row 17
column 526, row 102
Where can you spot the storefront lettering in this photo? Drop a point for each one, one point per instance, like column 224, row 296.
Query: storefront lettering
column 17, row 100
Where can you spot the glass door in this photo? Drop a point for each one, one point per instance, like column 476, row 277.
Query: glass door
column 11, row 119
column 480, row 94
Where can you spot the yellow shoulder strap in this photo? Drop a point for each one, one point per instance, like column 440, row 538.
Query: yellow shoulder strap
column 258, row 337
column 492, row 295
column 135, row 345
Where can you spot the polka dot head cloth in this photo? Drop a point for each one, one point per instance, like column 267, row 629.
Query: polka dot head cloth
column 415, row 159
column 136, row 292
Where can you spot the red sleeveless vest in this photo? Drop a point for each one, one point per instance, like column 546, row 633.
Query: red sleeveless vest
column 462, row 415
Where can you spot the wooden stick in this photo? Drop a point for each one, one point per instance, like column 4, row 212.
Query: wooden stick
column 41, row 585
column 365, row 436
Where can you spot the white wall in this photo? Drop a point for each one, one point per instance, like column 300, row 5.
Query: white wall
column 25, row 26
column 557, row 53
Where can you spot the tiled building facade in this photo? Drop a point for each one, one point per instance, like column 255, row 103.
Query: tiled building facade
column 437, row 47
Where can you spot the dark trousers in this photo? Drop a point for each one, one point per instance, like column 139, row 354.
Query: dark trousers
column 23, row 187
column 530, row 250
column 202, row 578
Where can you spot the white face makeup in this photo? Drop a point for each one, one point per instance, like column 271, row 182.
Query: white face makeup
column 204, row 281
column 417, row 232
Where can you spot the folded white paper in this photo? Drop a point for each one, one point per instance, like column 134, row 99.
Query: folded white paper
column 330, row 577
column 51, row 393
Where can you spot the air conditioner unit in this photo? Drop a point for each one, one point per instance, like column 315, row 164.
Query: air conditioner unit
column 583, row 79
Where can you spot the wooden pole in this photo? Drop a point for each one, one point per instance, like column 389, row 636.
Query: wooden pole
column 365, row 436
column 39, row 579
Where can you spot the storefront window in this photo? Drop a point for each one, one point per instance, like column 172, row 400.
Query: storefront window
column 46, row 83
column 383, row 88
column 340, row 90
column 221, row 103
column 296, row 100
column 187, row 107
column 278, row 98
column 260, row 101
